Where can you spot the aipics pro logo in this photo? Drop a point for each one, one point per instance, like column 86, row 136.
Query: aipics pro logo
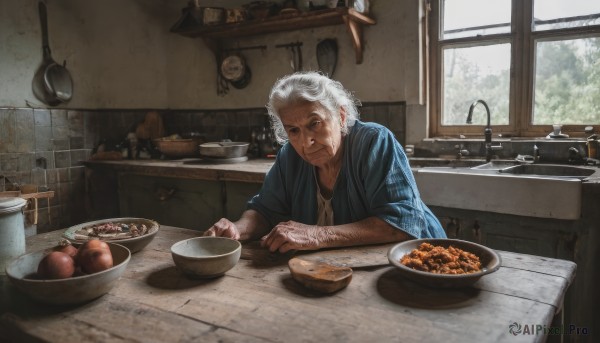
column 516, row 329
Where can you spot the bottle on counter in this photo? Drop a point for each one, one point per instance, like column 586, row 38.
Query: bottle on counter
column 133, row 146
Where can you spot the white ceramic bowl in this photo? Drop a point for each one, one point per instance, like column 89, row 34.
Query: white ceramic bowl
column 490, row 262
column 21, row 272
column 206, row 257
column 134, row 244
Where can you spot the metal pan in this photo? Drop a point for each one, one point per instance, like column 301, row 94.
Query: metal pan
column 224, row 149
column 52, row 82
column 58, row 82
column 327, row 54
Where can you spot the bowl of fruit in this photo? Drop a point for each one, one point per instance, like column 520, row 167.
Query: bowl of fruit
column 66, row 274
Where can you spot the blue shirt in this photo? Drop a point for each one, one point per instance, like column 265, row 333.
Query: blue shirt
column 375, row 181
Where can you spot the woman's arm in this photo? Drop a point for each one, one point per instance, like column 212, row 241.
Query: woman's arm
column 251, row 225
column 296, row 236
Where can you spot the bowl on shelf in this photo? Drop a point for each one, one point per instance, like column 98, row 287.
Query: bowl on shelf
column 22, row 273
column 206, row 257
column 490, row 262
column 134, row 244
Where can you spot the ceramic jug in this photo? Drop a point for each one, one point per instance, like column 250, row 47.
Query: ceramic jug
column 12, row 230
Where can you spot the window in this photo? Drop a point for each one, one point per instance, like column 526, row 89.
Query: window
column 534, row 62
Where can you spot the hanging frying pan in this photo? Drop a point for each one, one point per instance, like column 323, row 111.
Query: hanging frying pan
column 327, row 53
column 58, row 82
column 52, row 82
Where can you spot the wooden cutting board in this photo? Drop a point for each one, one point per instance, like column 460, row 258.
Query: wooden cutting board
column 353, row 257
column 320, row 276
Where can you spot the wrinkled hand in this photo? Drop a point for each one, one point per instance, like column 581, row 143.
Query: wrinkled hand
column 292, row 235
column 223, row 228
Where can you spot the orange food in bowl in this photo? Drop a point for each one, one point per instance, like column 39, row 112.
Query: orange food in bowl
column 439, row 260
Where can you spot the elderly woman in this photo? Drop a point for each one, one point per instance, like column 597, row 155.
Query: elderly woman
column 336, row 181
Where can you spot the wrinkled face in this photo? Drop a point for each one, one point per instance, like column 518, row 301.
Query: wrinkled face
column 313, row 133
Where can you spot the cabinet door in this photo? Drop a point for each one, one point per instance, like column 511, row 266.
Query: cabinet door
column 238, row 194
column 190, row 204
column 509, row 235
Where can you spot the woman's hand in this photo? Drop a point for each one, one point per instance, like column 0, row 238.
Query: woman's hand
column 223, row 228
column 292, row 235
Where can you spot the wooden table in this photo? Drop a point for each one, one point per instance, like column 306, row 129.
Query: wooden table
column 258, row 301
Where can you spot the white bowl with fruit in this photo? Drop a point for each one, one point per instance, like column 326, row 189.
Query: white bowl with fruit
column 66, row 275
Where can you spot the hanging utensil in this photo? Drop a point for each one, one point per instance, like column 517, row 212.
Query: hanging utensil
column 52, row 82
column 58, row 82
column 299, row 55
column 292, row 57
column 327, row 52
column 295, row 54
column 38, row 84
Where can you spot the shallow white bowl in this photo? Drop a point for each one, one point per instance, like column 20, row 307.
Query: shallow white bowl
column 22, row 270
column 134, row 244
column 206, row 257
column 490, row 262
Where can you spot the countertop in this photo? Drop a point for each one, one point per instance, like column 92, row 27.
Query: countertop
column 253, row 170
column 258, row 301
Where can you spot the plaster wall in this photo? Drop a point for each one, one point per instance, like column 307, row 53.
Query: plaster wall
column 122, row 55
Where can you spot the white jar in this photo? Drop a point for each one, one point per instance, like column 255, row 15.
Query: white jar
column 12, row 231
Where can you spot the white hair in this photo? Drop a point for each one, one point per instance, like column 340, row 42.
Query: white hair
column 310, row 86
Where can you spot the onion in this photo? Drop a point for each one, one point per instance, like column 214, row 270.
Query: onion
column 94, row 256
column 56, row 265
column 94, row 244
column 66, row 247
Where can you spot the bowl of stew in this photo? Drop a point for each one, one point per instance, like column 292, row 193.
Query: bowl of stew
column 443, row 262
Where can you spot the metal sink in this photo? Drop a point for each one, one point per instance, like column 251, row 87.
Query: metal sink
column 497, row 165
column 549, row 170
column 532, row 190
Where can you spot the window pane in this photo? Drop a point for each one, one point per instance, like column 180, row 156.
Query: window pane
column 558, row 14
column 567, row 82
column 481, row 72
column 468, row 18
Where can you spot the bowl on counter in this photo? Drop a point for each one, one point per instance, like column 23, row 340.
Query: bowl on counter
column 206, row 257
column 177, row 147
column 224, row 149
column 490, row 262
column 22, row 273
column 134, row 244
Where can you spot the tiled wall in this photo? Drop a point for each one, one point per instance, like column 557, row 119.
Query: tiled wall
column 54, row 142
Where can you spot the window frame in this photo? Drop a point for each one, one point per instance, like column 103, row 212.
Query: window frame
column 522, row 71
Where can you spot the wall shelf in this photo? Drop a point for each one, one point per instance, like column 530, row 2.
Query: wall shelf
column 214, row 34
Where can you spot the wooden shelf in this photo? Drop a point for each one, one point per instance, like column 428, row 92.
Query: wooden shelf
column 286, row 22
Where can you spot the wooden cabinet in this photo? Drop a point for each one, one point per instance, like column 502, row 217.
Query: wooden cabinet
column 535, row 236
column 191, row 204
column 186, row 203
column 237, row 195
column 214, row 34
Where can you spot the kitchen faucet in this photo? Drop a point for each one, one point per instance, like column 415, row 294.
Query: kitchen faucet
column 487, row 131
column 536, row 154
